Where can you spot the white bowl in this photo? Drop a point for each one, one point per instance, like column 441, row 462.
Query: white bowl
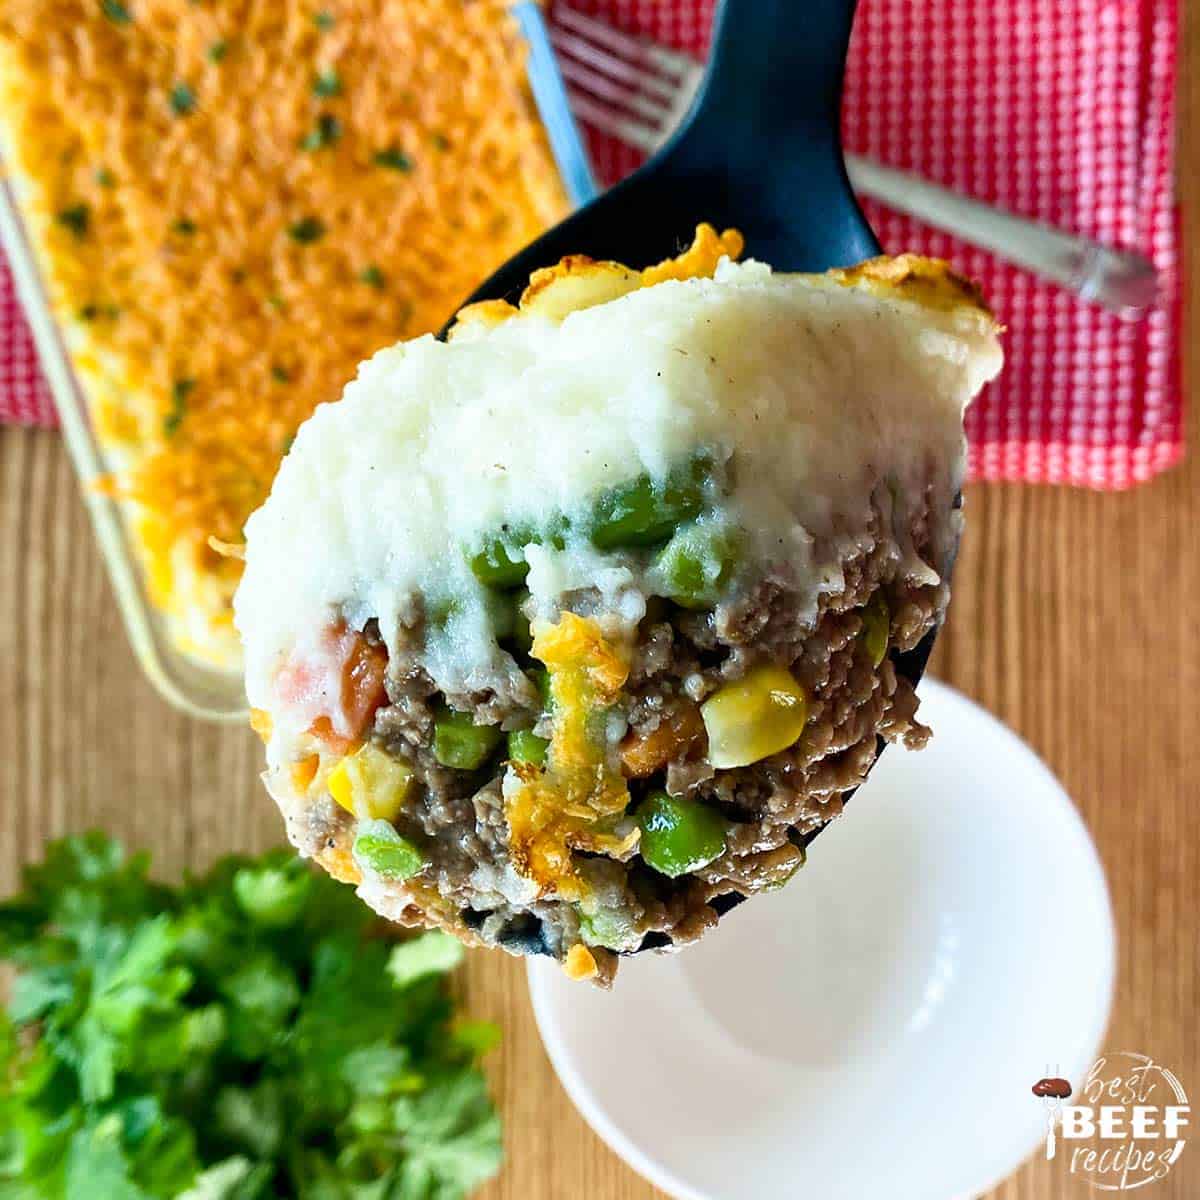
column 876, row 1026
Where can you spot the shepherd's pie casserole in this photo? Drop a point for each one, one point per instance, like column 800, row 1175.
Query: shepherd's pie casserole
column 568, row 632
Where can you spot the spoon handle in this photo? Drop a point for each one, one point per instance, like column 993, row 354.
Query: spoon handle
column 775, row 70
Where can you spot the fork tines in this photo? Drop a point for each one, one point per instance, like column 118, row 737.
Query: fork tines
column 622, row 84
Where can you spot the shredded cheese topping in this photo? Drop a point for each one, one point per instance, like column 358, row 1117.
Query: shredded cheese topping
column 570, row 805
column 237, row 203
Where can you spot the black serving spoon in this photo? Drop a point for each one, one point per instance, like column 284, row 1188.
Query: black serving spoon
column 760, row 151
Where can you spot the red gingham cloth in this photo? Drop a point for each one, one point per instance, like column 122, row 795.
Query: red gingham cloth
column 1062, row 110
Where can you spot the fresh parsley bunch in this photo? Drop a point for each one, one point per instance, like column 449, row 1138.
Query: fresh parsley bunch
column 246, row 1035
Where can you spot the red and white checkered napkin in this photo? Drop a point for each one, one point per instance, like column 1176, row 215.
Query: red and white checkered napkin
column 1062, row 110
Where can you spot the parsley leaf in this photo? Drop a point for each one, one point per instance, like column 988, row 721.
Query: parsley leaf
column 452, row 1132
column 236, row 1037
column 327, row 83
column 273, row 896
column 180, row 391
column 306, row 230
column 427, row 954
column 77, row 218
column 393, row 158
column 372, row 276
column 182, row 100
column 116, row 12
column 327, row 130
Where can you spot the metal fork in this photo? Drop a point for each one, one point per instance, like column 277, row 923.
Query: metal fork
column 639, row 91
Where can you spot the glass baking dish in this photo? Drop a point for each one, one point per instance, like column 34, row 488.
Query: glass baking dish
column 200, row 690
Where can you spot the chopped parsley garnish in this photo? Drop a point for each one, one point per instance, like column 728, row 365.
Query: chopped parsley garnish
column 306, row 230
column 217, row 51
column 327, row 83
column 116, row 12
column 76, row 219
column 394, row 159
column 277, row 302
column 328, row 130
column 372, row 276
column 89, row 312
column 185, row 226
column 182, row 100
column 180, row 391
column 324, row 20
column 440, row 141
column 243, row 1034
column 105, row 178
column 280, row 374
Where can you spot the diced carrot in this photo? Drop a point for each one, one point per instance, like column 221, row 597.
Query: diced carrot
column 322, row 728
column 644, row 754
column 342, row 683
column 304, row 771
column 339, row 862
column 362, row 682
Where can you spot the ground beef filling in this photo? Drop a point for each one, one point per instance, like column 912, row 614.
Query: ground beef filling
column 679, row 659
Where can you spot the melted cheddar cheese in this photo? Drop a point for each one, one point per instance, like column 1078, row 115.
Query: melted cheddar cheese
column 571, row 804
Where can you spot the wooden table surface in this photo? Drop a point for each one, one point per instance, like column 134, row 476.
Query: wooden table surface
column 1074, row 619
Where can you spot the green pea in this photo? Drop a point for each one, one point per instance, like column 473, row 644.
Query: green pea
column 386, row 853
column 876, row 623
column 521, row 635
column 458, row 742
column 499, row 564
column 679, row 835
column 524, row 746
column 644, row 513
column 695, row 566
column 541, row 680
column 502, row 612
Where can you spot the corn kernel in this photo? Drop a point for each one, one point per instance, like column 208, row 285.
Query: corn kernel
column 757, row 716
column 260, row 722
column 370, row 783
column 340, row 785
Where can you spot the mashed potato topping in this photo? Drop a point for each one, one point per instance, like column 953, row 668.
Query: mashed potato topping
column 795, row 392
